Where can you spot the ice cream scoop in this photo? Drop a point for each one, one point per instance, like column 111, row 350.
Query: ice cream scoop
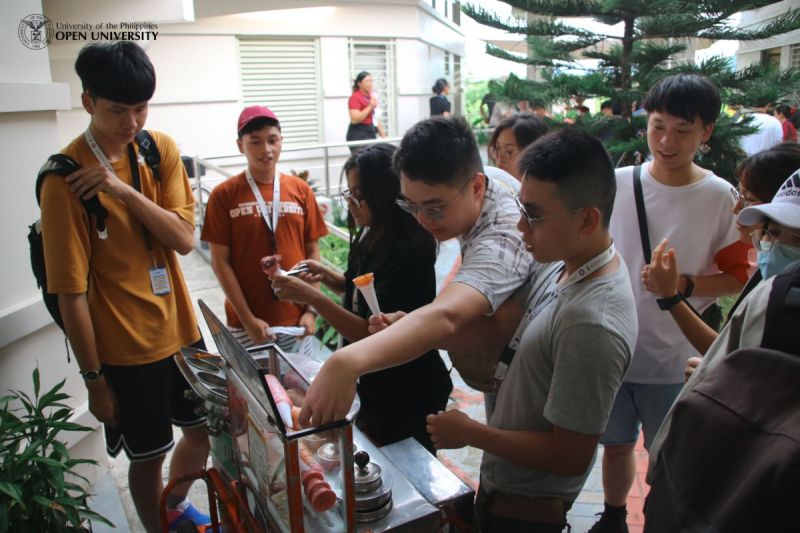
column 366, row 284
column 271, row 265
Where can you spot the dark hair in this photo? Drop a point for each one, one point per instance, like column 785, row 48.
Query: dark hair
column 257, row 124
column 380, row 186
column 359, row 78
column 686, row 96
column 578, row 164
column 526, row 128
column 439, row 86
column 614, row 105
column 120, row 72
column 763, row 173
column 784, row 110
column 439, row 151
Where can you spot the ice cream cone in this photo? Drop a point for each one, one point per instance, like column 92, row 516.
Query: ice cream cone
column 366, row 284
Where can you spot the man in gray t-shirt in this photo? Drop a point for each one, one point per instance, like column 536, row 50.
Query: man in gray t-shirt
column 576, row 344
column 443, row 186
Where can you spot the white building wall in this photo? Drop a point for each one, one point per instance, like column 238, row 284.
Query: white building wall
column 750, row 52
column 28, row 134
column 198, row 97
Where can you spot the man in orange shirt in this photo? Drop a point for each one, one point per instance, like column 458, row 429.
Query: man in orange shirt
column 121, row 294
column 256, row 213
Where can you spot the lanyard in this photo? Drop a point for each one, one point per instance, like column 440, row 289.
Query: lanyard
column 272, row 225
column 135, row 177
column 591, row 266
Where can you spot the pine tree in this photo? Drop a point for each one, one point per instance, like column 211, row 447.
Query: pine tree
column 654, row 32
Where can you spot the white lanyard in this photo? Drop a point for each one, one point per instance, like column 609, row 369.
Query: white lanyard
column 96, row 150
column 591, row 266
column 276, row 201
column 587, row 269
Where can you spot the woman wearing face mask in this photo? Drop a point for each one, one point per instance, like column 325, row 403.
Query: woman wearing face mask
column 388, row 242
column 776, row 238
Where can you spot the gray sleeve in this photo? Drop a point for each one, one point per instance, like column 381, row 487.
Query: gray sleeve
column 496, row 266
column 589, row 364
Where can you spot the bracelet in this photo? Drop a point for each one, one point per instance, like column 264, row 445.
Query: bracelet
column 665, row 304
column 312, row 310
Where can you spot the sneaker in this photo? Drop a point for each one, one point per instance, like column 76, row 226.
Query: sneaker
column 610, row 523
column 185, row 514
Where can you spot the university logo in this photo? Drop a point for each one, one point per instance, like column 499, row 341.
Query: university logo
column 35, row 31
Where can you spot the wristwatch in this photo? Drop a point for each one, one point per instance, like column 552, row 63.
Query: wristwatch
column 311, row 309
column 665, row 304
column 91, row 376
column 687, row 292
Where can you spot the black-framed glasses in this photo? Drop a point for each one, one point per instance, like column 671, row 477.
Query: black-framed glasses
column 507, row 151
column 350, row 196
column 534, row 220
column 434, row 213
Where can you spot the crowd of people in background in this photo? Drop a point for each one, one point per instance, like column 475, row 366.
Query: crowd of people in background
column 590, row 290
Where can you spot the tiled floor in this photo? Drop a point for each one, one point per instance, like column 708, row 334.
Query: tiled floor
column 464, row 462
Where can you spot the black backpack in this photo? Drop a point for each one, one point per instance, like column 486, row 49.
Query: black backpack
column 64, row 166
column 731, row 459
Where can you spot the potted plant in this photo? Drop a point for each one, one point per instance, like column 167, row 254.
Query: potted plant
column 38, row 489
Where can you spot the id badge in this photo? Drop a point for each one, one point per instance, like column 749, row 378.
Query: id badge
column 159, row 281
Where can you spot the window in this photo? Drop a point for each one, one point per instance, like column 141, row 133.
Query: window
column 771, row 57
column 283, row 74
column 377, row 58
column 794, row 55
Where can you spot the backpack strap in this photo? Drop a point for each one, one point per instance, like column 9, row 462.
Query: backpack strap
column 148, row 149
column 641, row 214
column 63, row 166
column 783, row 312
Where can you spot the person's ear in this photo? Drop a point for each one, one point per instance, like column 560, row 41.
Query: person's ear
column 479, row 184
column 592, row 218
column 240, row 145
column 87, row 102
column 708, row 129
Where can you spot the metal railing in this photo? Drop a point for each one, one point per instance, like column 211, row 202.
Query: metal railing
column 200, row 165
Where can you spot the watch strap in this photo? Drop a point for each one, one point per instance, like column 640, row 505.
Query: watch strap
column 90, row 376
column 665, row 304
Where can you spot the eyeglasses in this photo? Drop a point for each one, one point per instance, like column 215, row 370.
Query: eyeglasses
column 764, row 239
column 508, row 151
column 349, row 196
column 434, row 213
column 741, row 197
column 533, row 220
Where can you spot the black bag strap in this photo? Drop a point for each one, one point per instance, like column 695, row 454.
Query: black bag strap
column 63, row 165
column 641, row 213
column 148, row 149
column 783, row 312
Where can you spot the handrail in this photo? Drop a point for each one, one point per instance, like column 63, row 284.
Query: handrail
column 198, row 162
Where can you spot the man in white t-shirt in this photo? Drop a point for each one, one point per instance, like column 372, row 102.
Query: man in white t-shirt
column 692, row 208
column 443, row 185
column 770, row 132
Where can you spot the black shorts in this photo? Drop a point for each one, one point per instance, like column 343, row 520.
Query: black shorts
column 150, row 400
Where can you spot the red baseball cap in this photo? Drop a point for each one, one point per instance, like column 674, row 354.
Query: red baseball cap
column 254, row 112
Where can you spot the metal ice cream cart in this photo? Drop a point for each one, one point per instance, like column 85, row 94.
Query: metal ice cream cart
column 285, row 478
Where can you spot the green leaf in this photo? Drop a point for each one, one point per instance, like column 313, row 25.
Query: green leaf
column 36, row 381
column 91, row 515
column 13, row 490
